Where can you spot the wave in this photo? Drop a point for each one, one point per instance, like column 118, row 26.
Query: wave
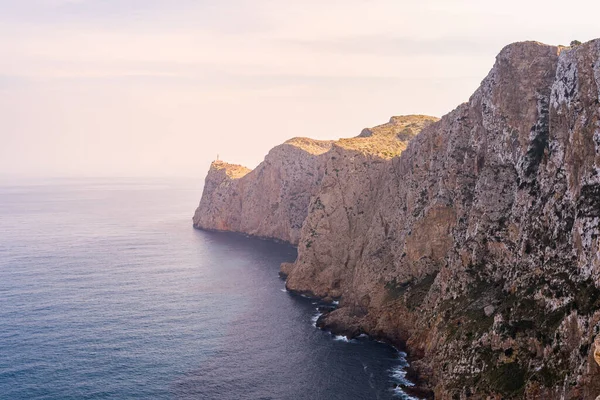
column 342, row 338
column 398, row 375
column 401, row 394
column 315, row 318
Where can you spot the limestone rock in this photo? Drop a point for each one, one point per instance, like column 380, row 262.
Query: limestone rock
column 285, row 269
column 498, row 203
column 270, row 201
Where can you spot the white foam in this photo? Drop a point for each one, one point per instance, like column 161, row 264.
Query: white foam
column 284, row 290
column 398, row 392
column 335, row 302
column 315, row 318
column 341, row 338
column 399, row 375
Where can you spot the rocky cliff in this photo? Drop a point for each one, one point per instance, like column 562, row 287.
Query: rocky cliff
column 477, row 247
column 272, row 201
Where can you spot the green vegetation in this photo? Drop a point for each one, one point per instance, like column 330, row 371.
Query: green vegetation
column 311, row 146
column 415, row 291
column 418, row 291
column 396, row 289
column 506, row 370
column 507, row 379
column 548, row 377
column 388, row 140
column 575, row 43
column 587, row 298
column 318, row 205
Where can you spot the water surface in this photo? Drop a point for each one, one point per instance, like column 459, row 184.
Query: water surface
column 106, row 292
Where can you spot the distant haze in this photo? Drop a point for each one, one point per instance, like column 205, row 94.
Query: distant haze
column 160, row 87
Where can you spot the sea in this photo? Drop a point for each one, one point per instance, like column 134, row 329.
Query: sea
column 107, row 292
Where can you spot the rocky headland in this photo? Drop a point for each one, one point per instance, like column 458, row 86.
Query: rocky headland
column 472, row 240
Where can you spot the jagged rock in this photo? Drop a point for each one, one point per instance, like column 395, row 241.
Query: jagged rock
column 498, row 203
column 285, row 269
column 489, row 310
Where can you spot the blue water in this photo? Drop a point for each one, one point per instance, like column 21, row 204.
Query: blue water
column 106, row 292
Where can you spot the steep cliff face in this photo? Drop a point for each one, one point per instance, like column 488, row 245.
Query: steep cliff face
column 478, row 246
column 270, row 201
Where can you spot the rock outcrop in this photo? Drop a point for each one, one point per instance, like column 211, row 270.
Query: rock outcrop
column 270, row 201
column 478, row 246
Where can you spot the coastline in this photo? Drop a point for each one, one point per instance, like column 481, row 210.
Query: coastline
column 421, row 388
column 326, row 305
column 247, row 235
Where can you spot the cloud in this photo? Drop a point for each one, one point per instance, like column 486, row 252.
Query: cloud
column 390, row 45
column 163, row 85
column 233, row 16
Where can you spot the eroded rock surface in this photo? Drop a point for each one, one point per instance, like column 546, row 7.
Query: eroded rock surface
column 477, row 246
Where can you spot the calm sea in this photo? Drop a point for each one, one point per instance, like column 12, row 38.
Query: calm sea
column 106, row 292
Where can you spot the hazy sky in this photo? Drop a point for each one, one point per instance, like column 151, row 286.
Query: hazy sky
column 159, row 87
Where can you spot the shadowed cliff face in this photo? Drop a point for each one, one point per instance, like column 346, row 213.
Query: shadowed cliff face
column 477, row 246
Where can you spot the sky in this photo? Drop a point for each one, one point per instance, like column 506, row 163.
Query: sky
column 160, row 87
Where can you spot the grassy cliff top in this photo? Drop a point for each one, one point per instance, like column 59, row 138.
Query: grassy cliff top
column 311, row 146
column 388, row 140
column 385, row 141
column 233, row 171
